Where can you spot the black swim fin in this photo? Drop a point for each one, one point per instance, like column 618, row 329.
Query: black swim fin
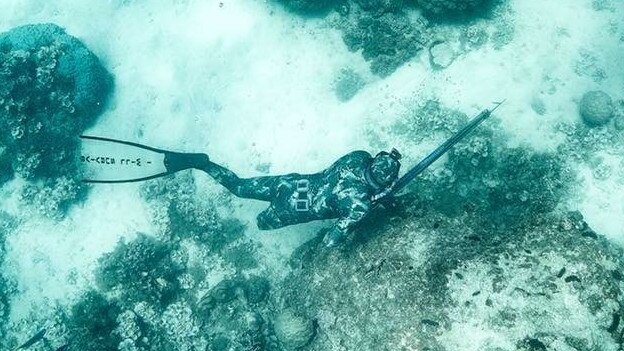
column 106, row 160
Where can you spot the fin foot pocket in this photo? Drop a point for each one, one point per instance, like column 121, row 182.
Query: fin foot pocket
column 177, row 161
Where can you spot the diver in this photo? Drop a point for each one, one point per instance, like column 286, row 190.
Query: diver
column 346, row 190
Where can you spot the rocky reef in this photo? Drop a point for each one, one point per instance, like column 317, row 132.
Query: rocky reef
column 167, row 306
column 478, row 255
column 51, row 89
column 426, row 280
column 391, row 33
column 418, row 275
column 160, row 291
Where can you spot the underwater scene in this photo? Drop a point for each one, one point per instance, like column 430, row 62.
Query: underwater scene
column 314, row 175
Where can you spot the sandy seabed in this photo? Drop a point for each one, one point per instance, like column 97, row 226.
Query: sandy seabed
column 249, row 83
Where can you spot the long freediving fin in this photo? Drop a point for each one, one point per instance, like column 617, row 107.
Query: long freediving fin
column 106, row 160
column 441, row 150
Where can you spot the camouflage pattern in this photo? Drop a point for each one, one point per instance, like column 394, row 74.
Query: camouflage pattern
column 343, row 191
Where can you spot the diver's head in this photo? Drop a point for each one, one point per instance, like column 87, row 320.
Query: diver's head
column 384, row 169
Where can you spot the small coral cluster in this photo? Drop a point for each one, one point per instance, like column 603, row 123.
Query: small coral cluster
column 138, row 303
column 428, row 118
column 387, row 41
column 51, row 88
column 137, row 283
column 583, row 143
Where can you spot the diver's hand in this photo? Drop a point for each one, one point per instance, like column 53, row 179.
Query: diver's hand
column 333, row 237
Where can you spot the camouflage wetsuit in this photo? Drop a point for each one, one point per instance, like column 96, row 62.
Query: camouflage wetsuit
column 343, row 191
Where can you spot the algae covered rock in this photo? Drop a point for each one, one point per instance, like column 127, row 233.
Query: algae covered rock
column 294, row 331
column 51, row 89
column 423, row 280
column 596, row 108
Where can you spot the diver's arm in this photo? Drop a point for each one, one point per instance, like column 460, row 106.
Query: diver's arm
column 355, row 209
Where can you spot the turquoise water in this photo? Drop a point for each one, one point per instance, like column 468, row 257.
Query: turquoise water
column 510, row 241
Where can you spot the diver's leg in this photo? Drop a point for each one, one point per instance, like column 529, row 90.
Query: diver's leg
column 259, row 188
column 268, row 219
